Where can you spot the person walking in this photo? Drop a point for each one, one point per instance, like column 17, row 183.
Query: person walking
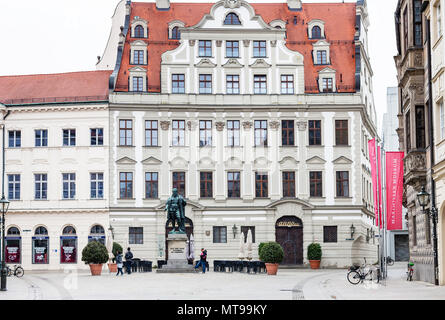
column 128, row 260
column 202, row 260
column 119, row 263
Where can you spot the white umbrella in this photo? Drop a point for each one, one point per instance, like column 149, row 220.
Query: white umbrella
column 241, row 254
column 187, row 249
column 109, row 244
column 249, row 245
column 192, row 248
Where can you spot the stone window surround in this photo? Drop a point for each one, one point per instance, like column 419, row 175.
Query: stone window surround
column 316, row 168
column 139, row 22
column 138, row 45
column 324, row 74
column 137, row 72
column 321, row 45
column 347, row 118
column 314, row 23
column 278, row 23
column 173, row 24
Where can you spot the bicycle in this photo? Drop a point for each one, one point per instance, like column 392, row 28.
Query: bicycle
column 358, row 274
column 389, row 261
column 410, row 272
column 17, row 271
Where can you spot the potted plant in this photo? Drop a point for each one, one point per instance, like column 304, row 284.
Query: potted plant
column 95, row 254
column 272, row 254
column 112, row 266
column 314, row 255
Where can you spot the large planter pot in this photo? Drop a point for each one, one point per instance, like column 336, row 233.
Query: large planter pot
column 112, row 267
column 96, row 269
column 315, row 264
column 272, row 268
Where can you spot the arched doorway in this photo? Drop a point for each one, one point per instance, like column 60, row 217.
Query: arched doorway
column 289, row 234
column 169, row 227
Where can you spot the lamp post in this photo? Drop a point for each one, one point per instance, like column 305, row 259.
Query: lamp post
column 234, row 230
column 4, row 205
column 423, row 198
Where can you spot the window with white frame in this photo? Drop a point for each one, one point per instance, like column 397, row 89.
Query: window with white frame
column 69, row 137
column 439, row 19
column 15, row 138
column 41, row 186
column 287, row 84
column 138, row 84
column 97, row 185
column 69, row 185
column 178, row 83
column 260, row 84
column 442, row 120
column 232, row 84
column 316, row 29
column 41, row 138
column 205, row 83
column 13, row 186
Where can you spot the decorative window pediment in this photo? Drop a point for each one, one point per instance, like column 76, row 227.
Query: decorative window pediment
column 315, row 160
column 205, row 63
column 232, row 63
column 342, row 160
column 260, row 63
column 151, row 161
column 126, row 160
column 278, row 24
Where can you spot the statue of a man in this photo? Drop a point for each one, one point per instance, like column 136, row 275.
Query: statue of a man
column 175, row 211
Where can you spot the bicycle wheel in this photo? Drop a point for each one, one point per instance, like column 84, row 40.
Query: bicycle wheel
column 19, row 272
column 354, row 277
column 376, row 275
column 389, row 261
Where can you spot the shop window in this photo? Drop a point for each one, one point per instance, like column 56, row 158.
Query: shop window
column 13, row 246
column 40, row 246
column 68, row 245
column 97, row 233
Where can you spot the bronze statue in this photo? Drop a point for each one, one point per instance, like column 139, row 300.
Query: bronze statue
column 176, row 212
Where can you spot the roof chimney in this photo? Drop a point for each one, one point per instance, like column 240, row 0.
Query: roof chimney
column 163, row 4
column 294, row 5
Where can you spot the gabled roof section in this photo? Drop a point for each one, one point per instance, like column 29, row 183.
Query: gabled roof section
column 87, row 86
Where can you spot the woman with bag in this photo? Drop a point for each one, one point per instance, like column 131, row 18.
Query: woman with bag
column 119, row 263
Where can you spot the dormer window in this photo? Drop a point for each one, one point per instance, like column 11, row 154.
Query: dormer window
column 316, row 32
column 176, row 34
column 327, row 85
column 316, row 29
column 322, row 57
column 139, row 32
column 232, row 19
column 139, row 28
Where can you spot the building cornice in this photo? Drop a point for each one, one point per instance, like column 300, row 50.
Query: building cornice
column 93, row 106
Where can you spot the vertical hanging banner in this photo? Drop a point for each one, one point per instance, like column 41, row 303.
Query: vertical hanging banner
column 394, row 190
column 373, row 160
column 379, row 160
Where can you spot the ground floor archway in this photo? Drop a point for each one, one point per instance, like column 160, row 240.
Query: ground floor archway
column 289, row 234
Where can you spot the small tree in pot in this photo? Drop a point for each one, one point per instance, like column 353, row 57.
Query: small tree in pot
column 272, row 254
column 95, row 254
column 314, row 255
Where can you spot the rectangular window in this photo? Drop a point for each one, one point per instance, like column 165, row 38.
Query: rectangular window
column 414, row 231
column 259, row 49
column 233, row 185
column 205, row 83
column 41, row 138
column 15, row 139
column 97, row 136
column 151, row 185
column 41, row 186
column 126, row 185
column 316, row 184
column 138, row 84
column 232, row 84
column 342, row 183
column 289, row 184
column 178, row 83
column 287, row 133
column 206, row 184
column 427, row 228
column 418, row 22
column 405, row 29
column 151, row 133
column 330, row 234
column 69, row 137
column 125, row 132
column 341, row 132
column 261, row 133
column 68, row 249
column 322, row 57
column 136, row 235
column 69, row 185
column 259, row 84
column 219, row 234
column 420, row 127
column 178, row 131
column 232, row 49
column 327, row 85
column 245, row 230
column 13, row 186
column 233, row 133
column 40, row 250
column 261, row 185
column 205, row 133
column 439, row 20
column 205, row 48
column 408, row 131
column 179, row 182
column 97, row 185
column 315, row 132
column 442, row 120
column 287, row 84
column 138, row 57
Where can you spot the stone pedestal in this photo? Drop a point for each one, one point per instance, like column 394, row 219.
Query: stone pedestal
column 177, row 260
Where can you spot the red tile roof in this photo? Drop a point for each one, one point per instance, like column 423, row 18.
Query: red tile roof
column 55, row 88
column 339, row 18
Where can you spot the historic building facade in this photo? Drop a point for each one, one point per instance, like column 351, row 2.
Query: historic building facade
column 258, row 113
column 56, row 179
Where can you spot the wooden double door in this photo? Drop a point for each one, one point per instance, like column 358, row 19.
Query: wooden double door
column 289, row 234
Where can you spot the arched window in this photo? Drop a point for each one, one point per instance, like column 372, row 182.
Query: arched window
column 232, row 18
column 41, row 231
column 278, row 27
column 13, row 231
column 139, row 32
column 176, row 34
column 316, row 32
column 97, row 229
column 97, row 233
column 69, row 230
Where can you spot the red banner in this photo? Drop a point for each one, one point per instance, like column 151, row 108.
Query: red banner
column 394, row 190
column 373, row 160
column 379, row 160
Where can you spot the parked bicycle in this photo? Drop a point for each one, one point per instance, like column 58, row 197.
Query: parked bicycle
column 389, row 261
column 358, row 274
column 17, row 271
column 410, row 272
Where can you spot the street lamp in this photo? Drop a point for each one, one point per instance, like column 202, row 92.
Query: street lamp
column 234, row 230
column 4, row 205
column 423, row 198
column 352, row 229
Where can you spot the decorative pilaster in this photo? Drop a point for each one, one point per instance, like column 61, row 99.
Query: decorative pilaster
column 302, row 125
column 165, row 125
column 274, row 125
column 220, row 125
column 247, row 125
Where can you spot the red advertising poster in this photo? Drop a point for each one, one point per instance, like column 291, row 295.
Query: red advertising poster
column 394, row 190
column 12, row 250
column 68, row 251
column 379, row 160
column 373, row 160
